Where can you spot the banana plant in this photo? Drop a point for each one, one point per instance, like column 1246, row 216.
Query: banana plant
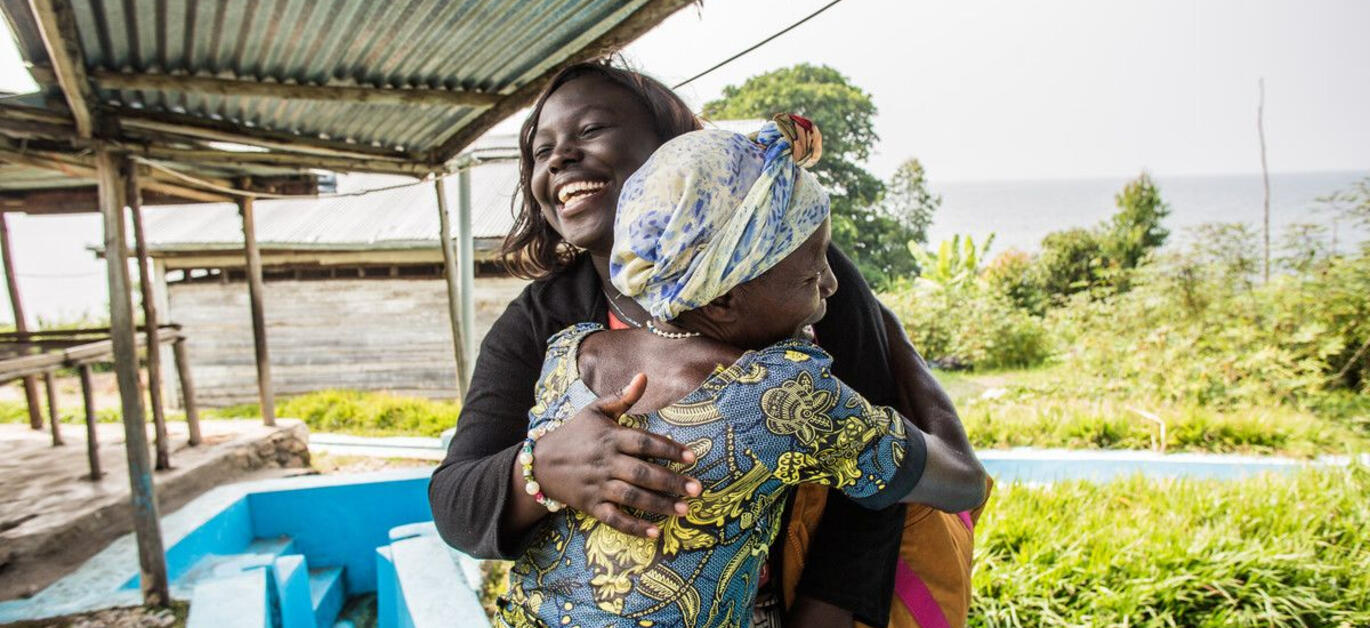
column 957, row 260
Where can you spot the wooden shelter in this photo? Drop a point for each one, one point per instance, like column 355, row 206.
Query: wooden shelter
column 150, row 101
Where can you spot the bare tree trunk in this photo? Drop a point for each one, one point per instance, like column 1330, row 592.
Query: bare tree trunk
column 1265, row 176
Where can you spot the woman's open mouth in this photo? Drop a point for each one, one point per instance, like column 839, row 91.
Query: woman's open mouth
column 576, row 195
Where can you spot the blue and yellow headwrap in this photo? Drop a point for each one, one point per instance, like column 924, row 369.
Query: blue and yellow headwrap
column 712, row 209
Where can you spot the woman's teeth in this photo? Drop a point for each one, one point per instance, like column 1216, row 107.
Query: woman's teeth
column 572, row 191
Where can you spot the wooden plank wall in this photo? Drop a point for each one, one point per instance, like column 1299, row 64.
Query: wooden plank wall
column 365, row 334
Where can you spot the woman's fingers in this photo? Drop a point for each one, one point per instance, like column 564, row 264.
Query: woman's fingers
column 614, row 405
column 644, row 444
column 614, row 518
column 654, row 477
column 625, row 494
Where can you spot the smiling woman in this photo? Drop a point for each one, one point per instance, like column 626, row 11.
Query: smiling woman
column 592, row 128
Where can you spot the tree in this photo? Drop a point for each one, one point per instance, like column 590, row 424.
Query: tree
column 875, row 239
column 908, row 200
column 1069, row 261
column 1136, row 229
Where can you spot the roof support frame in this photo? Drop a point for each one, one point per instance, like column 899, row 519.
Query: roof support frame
column 295, row 91
column 57, row 25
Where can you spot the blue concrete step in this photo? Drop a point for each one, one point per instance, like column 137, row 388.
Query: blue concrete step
column 257, row 553
column 238, row 600
column 326, row 594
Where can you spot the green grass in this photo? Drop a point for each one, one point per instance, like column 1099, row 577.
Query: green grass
column 1050, row 407
column 1269, row 551
column 361, row 413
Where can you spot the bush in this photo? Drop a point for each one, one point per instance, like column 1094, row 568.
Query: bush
column 968, row 325
column 1268, row 551
column 1194, row 331
column 363, row 413
column 1058, row 407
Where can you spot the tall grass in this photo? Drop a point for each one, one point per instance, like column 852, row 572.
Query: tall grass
column 1269, row 551
column 362, row 413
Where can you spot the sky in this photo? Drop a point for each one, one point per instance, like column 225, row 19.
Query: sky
column 977, row 90
column 1001, row 89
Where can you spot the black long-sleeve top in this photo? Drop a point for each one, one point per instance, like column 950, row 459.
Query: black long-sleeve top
column 856, row 548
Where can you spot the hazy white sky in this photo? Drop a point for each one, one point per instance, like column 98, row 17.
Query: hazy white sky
column 994, row 89
column 976, row 89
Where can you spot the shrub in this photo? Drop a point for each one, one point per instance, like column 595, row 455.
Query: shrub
column 1267, row 551
column 968, row 325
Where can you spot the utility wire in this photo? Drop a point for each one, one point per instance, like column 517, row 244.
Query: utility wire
column 756, row 45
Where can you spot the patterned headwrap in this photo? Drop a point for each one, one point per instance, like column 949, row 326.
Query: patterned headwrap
column 713, row 209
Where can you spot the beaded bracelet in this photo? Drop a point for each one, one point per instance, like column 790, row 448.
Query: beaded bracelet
column 531, row 485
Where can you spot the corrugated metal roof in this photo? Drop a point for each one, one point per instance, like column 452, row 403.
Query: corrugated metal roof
column 492, row 46
column 405, row 217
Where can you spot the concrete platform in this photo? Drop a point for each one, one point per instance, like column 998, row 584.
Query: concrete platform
column 53, row 518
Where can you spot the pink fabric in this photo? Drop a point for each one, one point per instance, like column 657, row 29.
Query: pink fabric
column 965, row 518
column 918, row 598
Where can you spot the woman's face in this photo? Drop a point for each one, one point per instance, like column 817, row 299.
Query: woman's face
column 791, row 295
column 591, row 136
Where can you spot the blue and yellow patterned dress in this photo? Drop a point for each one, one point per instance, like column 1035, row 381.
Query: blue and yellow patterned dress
column 775, row 418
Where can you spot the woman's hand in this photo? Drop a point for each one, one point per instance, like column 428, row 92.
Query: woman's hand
column 593, row 464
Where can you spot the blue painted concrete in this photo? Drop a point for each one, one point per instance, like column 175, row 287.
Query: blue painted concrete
column 326, row 594
column 1041, row 466
column 292, row 592
column 340, row 525
column 236, row 601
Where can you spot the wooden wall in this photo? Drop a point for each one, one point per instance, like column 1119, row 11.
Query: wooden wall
column 365, row 334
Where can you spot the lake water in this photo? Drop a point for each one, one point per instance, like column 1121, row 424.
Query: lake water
column 1020, row 213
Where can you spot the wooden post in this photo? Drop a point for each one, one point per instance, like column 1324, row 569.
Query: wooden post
column 92, row 441
column 151, row 555
column 54, row 417
column 20, row 325
column 466, row 266
column 154, row 344
column 254, row 292
column 178, row 351
column 1265, row 181
column 449, row 265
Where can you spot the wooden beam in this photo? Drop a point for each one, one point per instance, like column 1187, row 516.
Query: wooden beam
column 296, row 160
column 83, row 168
column 449, row 264
column 151, row 553
column 20, row 323
column 641, row 21
column 92, row 437
column 255, row 288
column 54, row 416
column 294, row 91
column 178, row 352
column 57, row 24
column 154, row 346
column 227, row 131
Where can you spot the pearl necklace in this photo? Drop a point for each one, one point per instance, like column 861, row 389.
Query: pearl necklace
column 673, row 335
column 613, row 305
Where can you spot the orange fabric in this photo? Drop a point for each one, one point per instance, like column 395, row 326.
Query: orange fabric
column 936, row 545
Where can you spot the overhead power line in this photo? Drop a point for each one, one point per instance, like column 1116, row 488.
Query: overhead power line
column 756, row 45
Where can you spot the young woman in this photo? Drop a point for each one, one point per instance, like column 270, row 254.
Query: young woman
column 723, row 239
column 592, row 127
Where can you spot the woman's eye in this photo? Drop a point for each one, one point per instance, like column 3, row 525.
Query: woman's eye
column 591, row 128
column 542, row 152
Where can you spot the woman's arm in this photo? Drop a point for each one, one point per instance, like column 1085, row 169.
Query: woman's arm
column 591, row 463
column 953, row 479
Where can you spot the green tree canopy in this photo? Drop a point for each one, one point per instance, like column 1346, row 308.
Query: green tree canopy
column 1136, row 229
column 875, row 238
